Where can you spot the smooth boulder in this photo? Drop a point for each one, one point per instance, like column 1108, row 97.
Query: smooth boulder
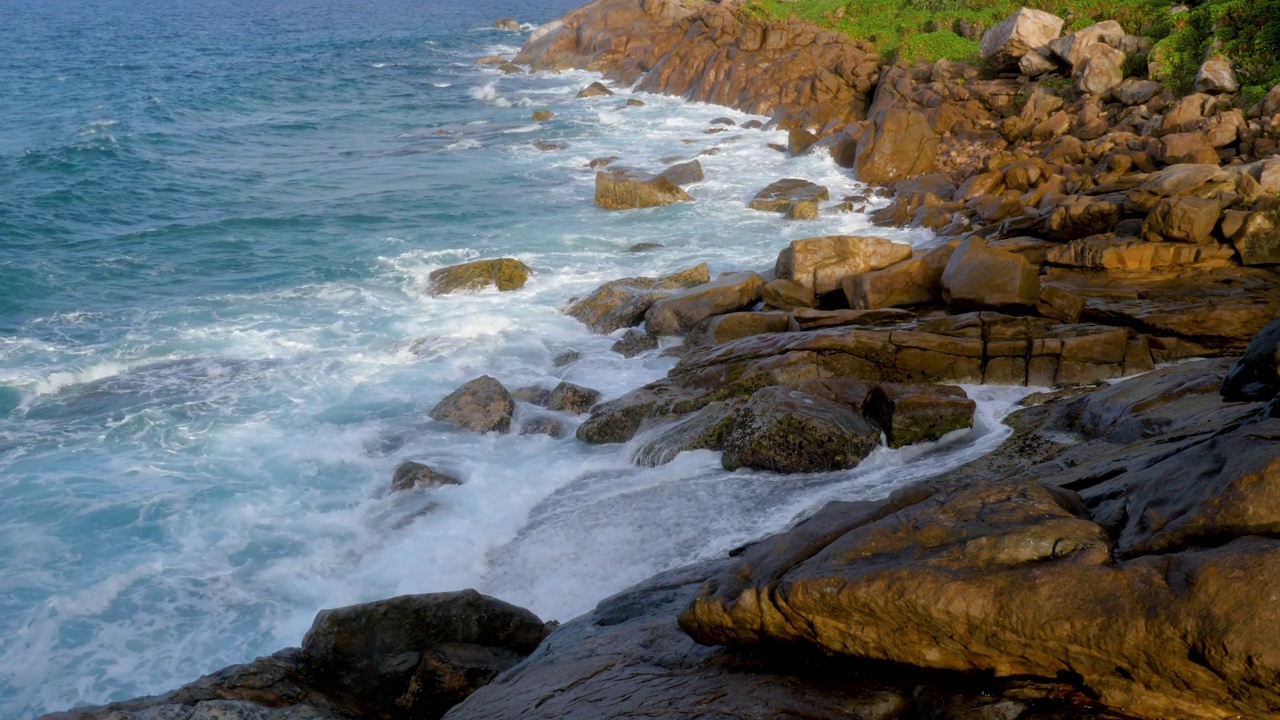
column 481, row 405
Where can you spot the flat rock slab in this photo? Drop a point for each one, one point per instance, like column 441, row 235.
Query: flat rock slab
column 820, row 264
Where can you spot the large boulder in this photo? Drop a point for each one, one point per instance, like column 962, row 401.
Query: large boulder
column 1215, row 76
column 788, row 431
column 979, row 276
column 1182, row 219
column 1075, row 48
column 1258, row 239
column 481, row 405
column 416, row 656
column 1256, row 375
column 784, row 194
column 821, row 263
column 504, row 273
column 911, row 414
column 626, row 189
column 679, row 313
column 622, row 303
column 900, row 145
column 1012, row 38
column 910, row 282
column 1100, row 70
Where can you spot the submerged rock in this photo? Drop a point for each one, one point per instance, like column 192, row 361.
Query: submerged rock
column 415, row 475
column 567, row 397
column 633, row 342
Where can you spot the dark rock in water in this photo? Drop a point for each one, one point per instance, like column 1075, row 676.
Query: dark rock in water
column 633, row 102
column 510, row 68
column 415, row 475
column 686, row 173
column 911, row 414
column 595, row 89
column 644, row 247
column 482, row 405
column 788, row 431
column 1256, row 376
column 623, row 303
column 550, row 145
column 503, row 273
column 567, row 397
column 598, row 163
column 634, row 342
column 542, row 425
column 702, row 430
column 532, row 394
column 407, row 658
column 415, row 656
column 724, row 121
column 568, row 357
column 510, row 24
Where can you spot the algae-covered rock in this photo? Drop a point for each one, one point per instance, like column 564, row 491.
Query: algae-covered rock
column 504, row 273
column 788, row 431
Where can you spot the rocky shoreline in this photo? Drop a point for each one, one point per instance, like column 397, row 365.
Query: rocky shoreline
column 1118, row 556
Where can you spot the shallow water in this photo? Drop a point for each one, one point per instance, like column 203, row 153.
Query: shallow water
column 216, row 224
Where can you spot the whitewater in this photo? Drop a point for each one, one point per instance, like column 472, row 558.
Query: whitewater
column 216, row 226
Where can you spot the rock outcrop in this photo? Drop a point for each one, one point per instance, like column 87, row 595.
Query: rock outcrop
column 504, row 273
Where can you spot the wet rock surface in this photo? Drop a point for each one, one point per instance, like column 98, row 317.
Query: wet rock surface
column 481, row 405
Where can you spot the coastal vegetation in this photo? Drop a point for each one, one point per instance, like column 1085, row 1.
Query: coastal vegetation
column 1246, row 32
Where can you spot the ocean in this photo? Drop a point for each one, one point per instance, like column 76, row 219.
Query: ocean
column 216, row 224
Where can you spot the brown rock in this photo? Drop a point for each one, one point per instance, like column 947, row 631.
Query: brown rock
column 802, row 210
column 1079, row 216
column 788, row 431
column 414, row 475
column 541, row 115
column 808, row 319
column 1258, row 239
column 567, row 397
column 595, row 89
column 725, row 328
column 508, row 24
column 1060, row 304
column 1110, row 252
column 481, row 405
column 911, row 414
column 678, row 313
column 1077, row 47
column 624, row 189
column 821, row 263
column 910, row 282
column 781, row 195
column 634, row 342
column 505, row 274
column 899, row 145
column 1101, row 70
column 1008, row 41
column 686, row 173
column 977, row 276
column 799, row 141
column 623, row 303
column 1188, row 147
column 787, row 295
column 1215, row 76
column 543, row 425
column 1182, row 219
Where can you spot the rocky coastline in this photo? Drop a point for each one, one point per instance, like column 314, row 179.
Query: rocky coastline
column 1117, row 557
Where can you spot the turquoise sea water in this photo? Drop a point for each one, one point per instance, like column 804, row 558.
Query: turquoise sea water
column 216, row 222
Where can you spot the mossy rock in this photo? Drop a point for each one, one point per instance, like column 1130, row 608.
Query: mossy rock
column 504, row 273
